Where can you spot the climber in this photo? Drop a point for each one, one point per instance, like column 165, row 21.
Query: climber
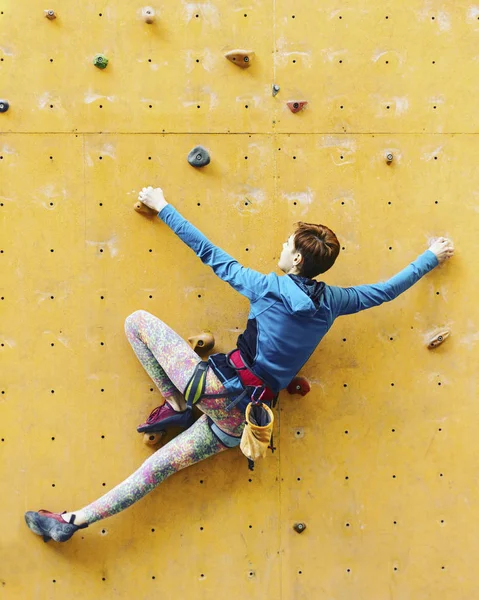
column 289, row 316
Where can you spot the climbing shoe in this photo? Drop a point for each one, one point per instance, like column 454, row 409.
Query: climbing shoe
column 165, row 416
column 51, row 525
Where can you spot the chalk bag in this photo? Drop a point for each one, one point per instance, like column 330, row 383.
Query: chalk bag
column 257, row 433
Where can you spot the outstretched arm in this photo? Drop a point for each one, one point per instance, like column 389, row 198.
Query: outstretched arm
column 354, row 299
column 250, row 283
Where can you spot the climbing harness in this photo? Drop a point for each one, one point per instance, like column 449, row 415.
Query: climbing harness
column 257, row 435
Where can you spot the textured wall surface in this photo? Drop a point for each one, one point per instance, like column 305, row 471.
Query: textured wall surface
column 378, row 459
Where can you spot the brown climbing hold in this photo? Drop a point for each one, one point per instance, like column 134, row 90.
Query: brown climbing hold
column 148, row 14
column 153, row 438
column 299, row 385
column 299, row 527
column 389, row 158
column 438, row 339
column 203, row 342
column 50, row 14
column 295, row 107
column 144, row 210
column 242, row 58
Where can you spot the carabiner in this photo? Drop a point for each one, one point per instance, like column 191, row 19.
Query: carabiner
column 253, row 398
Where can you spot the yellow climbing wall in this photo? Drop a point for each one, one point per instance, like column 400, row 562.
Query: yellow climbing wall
column 379, row 459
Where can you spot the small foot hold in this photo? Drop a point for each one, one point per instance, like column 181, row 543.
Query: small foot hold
column 100, row 61
column 148, row 14
column 50, row 14
column 299, row 527
column 153, row 438
column 4, row 106
column 143, row 209
column 203, row 342
column 438, row 339
column 295, row 107
column 299, row 385
column 241, row 58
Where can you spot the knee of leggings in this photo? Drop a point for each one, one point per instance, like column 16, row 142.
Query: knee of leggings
column 132, row 320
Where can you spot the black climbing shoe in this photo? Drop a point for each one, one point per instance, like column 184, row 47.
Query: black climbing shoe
column 51, row 525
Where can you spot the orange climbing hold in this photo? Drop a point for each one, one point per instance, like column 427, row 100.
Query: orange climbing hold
column 143, row 209
column 153, row 438
column 203, row 342
column 241, row 58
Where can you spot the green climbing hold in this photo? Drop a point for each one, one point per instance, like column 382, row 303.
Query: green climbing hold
column 100, row 61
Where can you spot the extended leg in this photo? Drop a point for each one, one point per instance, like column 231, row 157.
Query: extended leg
column 192, row 446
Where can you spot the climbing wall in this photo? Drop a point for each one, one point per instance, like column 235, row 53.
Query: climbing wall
column 372, row 492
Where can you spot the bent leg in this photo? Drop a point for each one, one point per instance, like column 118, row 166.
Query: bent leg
column 193, row 445
column 166, row 357
column 170, row 362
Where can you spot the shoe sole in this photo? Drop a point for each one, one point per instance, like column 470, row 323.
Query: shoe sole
column 164, row 425
column 32, row 523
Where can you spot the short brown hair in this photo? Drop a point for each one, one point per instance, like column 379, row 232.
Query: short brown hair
column 318, row 246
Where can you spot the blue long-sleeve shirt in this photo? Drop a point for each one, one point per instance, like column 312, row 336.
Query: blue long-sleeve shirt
column 289, row 314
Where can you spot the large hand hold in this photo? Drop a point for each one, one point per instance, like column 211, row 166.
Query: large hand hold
column 203, row 342
column 299, row 385
column 241, row 58
column 199, row 157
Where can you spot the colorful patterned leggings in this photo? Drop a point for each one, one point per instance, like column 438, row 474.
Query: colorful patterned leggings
column 170, row 362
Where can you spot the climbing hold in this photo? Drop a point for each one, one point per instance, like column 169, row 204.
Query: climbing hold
column 295, row 107
column 148, row 14
column 50, row 14
column 242, row 58
column 299, row 527
column 153, row 438
column 299, row 385
column 389, row 158
column 4, row 106
column 199, row 157
column 100, row 61
column 276, row 89
column 144, row 210
column 438, row 339
column 203, row 342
